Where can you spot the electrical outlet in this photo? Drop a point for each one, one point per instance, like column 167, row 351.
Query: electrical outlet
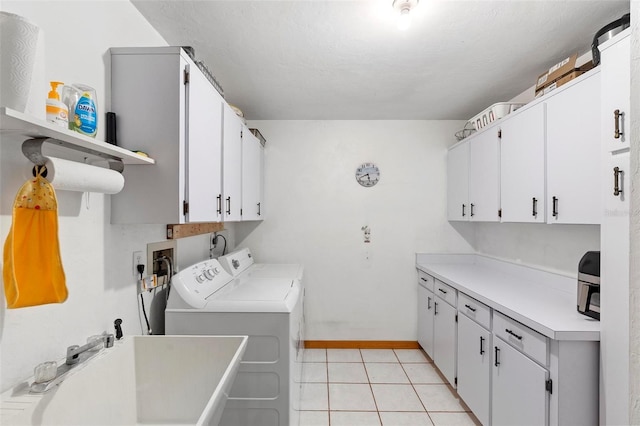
column 137, row 260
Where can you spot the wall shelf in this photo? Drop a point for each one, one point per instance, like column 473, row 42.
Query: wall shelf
column 16, row 127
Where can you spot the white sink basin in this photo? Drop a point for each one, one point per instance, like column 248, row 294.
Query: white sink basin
column 149, row 380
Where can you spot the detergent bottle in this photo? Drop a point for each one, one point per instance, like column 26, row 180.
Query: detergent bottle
column 84, row 118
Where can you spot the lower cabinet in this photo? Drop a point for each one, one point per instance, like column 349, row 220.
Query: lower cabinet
column 444, row 339
column 425, row 320
column 519, row 395
column 474, row 367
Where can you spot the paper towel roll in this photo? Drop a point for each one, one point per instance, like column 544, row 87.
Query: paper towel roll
column 73, row 176
column 21, row 65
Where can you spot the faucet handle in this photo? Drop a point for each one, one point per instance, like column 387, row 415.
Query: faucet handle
column 108, row 340
column 72, row 356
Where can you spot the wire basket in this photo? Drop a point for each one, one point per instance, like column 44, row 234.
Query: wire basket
column 466, row 131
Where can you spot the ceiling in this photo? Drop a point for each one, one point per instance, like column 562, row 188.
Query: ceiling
column 347, row 60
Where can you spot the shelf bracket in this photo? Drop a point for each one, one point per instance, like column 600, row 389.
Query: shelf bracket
column 32, row 149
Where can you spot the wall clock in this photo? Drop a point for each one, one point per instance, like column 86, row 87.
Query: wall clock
column 368, row 174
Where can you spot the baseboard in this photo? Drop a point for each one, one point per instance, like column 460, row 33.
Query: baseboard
column 361, row 344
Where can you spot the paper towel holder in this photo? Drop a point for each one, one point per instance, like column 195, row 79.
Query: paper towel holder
column 32, row 149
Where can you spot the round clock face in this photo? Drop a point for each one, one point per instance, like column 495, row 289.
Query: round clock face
column 367, row 174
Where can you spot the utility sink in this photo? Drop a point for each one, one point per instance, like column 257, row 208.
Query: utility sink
column 142, row 380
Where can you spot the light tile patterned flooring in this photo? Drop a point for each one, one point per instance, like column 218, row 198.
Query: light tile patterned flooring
column 388, row 387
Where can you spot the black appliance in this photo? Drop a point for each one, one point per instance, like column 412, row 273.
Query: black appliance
column 589, row 284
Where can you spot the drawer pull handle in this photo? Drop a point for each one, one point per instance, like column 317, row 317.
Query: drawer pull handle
column 472, row 309
column 513, row 334
column 442, row 291
column 423, row 279
column 481, row 345
column 496, row 359
column 617, row 188
column 428, row 302
column 617, row 115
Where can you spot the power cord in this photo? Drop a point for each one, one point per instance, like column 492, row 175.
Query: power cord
column 140, row 269
column 214, row 241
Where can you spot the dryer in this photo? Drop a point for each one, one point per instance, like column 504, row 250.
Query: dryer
column 242, row 263
column 206, row 300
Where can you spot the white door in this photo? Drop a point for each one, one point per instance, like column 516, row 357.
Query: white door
column 251, row 176
column 232, row 165
column 574, row 154
column 519, row 395
column 204, row 148
column 614, row 297
column 484, row 176
column 616, row 66
column 458, row 182
column 522, row 174
column 444, row 339
column 474, row 367
column 425, row 320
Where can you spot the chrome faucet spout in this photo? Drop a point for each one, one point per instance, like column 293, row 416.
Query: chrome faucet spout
column 74, row 351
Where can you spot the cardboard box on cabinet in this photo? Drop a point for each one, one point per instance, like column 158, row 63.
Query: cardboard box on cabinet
column 557, row 78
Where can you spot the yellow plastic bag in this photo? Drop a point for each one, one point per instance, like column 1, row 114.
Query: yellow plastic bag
column 33, row 272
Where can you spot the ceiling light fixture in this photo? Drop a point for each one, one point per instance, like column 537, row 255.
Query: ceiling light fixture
column 404, row 8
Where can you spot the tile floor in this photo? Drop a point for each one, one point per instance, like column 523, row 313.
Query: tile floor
column 388, row 387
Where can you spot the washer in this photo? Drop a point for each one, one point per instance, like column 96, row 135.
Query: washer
column 207, row 300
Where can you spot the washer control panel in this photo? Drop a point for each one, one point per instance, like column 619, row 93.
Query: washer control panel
column 197, row 282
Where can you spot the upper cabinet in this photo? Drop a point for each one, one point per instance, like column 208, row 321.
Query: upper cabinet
column 484, row 177
column 252, row 172
column 616, row 121
column 232, row 165
column 166, row 108
column 573, row 154
column 458, row 182
column 522, row 166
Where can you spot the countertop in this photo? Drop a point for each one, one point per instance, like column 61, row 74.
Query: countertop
column 541, row 300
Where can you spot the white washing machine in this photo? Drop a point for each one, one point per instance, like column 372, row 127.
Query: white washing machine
column 205, row 299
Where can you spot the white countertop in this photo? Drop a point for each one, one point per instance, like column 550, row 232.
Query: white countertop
column 543, row 301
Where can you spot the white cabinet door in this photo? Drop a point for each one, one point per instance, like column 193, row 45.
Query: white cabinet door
column 444, row 339
column 204, row 149
column 252, row 153
column 616, row 66
column 522, row 174
column 232, row 165
column 458, row 182
column 425, row 320
column 574, row 154
column 519, row 395
column 484, row 176
column 474, row 367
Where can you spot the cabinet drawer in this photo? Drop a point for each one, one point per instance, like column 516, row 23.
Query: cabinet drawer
column 445, row 292
column 479, row 312
column 425, row 280
column 521, row 337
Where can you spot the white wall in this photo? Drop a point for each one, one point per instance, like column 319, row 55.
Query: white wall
column 316, row 211
column 634, row 261
column 97, row 256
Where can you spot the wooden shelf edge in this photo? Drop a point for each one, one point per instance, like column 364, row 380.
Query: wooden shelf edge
column 175, row 231
column 27, row 126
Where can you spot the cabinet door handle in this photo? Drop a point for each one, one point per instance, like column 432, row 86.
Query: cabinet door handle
column 423, row 279
column 258, row 209
column 428, row 302
column 219, row 200
column 481, row 345
column 471, row 308
column 443, row 291
column 435, row 308
column 617, row 190
column 463, row 213
column 496, row 359
column 228, row 200
column 617, row 116
column 535, row 207
column 471, row 205
column 513, row 334
column 554, row 206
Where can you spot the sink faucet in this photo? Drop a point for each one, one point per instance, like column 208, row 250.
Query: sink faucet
column 73, row 358
column 74, row 351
